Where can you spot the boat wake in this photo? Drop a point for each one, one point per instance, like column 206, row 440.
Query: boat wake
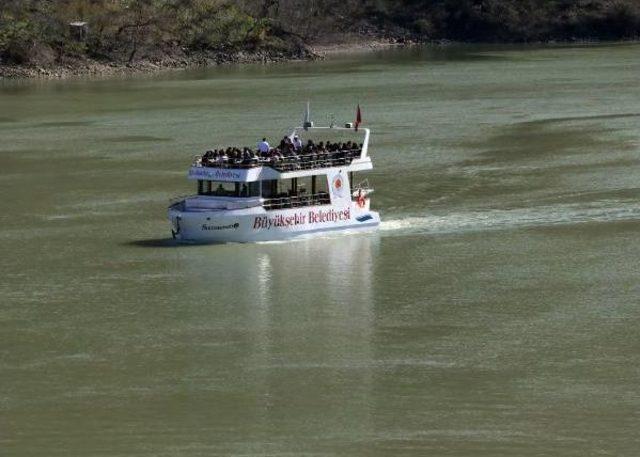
column 502, row 219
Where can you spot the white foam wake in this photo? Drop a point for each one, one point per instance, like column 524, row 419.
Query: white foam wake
column 498, row 219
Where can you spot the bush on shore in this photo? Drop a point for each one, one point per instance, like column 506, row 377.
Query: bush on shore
column 128, row 30
column 510, row 20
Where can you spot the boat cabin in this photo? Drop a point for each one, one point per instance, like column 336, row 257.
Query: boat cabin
column 295, row 192
column 288, row 176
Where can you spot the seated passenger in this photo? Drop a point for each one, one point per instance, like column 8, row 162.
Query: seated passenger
column 310, row 146
column 206, row 157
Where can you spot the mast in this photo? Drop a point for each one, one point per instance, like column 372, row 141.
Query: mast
column 307, row 117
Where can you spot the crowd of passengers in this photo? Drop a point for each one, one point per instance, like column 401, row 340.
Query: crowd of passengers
column 289, row 150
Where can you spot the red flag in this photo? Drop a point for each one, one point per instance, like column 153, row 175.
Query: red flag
column 358, row 117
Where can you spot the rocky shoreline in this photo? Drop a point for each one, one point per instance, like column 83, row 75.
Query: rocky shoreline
column 176, row 60
column 93, row 68
column 360, row 45
column 81, row 68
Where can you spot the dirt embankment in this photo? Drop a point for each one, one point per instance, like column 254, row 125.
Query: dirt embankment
column 94, row 68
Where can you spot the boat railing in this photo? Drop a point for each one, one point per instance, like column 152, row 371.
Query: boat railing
column 311, row 162
column 178, row 202
column 296, row 201
column 363, row 188
column 303, row 161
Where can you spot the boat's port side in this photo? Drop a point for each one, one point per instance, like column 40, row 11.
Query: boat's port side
column 257, row 224
column 273, row 208
column 277, row 193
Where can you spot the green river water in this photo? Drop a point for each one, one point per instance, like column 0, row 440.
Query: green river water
column 495, row 313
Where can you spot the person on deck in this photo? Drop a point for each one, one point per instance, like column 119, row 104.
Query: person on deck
column 297, row 143
column 263, row 146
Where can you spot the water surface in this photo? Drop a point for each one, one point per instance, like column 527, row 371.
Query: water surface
column 496, row 311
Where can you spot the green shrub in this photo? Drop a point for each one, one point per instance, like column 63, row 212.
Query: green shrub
column 16, row 40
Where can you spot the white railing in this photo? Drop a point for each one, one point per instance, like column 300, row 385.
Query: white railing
column 296, row 201
column 302, row 161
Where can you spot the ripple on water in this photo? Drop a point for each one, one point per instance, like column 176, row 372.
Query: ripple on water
column 602, row 211
column 65, row 124
column 138, row 139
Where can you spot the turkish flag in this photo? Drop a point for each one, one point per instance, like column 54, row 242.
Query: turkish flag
column 358, row 118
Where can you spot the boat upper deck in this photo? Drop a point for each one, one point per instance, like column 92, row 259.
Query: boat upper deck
column 293, row 157
column 305, row 159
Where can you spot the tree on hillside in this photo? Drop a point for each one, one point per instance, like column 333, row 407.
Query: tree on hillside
column 37, row 31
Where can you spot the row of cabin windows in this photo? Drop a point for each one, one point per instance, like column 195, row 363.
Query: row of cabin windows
column 229, row 189
column 273, row 188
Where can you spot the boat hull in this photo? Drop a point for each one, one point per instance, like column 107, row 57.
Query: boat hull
column 256, row 224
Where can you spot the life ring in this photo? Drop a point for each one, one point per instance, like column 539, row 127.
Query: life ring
column 361, row 202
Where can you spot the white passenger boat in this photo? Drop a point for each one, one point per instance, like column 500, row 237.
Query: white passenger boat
column 261, row 198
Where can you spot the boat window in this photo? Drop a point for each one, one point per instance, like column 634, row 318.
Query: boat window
column 296, row 192
column 303, row 185
column 274, row 188
column 321, row 184
column 252, row 189
column 270, row 188
column 229, row 189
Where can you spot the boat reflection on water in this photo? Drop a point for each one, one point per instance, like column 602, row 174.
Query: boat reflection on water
column 282, row 327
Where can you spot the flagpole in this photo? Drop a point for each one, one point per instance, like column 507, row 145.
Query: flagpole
column 307, row 117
